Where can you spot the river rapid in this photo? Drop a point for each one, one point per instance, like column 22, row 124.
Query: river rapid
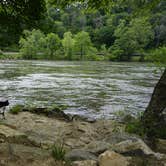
column 92, row 89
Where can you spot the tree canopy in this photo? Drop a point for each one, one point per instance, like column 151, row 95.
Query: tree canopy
column 16, row 15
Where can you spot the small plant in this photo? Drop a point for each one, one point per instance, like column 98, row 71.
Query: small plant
column 16, row 109
column 58, row 152
column 135, row 127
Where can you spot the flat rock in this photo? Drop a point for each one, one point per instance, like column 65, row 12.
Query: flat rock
column 8, row 134
column 79, row 154
column 16, row 154
column 110, row 158
column 97, row 147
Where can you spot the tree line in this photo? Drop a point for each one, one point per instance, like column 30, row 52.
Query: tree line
column 75, row 33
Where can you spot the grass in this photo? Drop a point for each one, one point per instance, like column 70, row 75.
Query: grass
column 16, row 109
column 58, row 152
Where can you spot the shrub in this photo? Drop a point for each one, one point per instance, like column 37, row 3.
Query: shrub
column 135, row 127
column 157, row 55
column 16, row 109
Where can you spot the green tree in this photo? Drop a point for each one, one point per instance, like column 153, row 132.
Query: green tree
column 82, row 43
column 53, row 43
column 16, row 15
column 32, row 43
column 133, row 37
column 68, row 45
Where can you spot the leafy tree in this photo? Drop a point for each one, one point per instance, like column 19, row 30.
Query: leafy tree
column 16, row 15
column 82, row 43
column 104, row 35
column 53, row 43
column 31, row 43
column 68, row 44
column 133, row 37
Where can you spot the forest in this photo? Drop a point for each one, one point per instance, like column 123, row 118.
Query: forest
column 75, row 32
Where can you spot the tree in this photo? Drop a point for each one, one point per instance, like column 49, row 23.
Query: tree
column 31, row 43
column 133, row 37
column 68, row 43
column 82, row 43
column 16, row 15
column 53, row 43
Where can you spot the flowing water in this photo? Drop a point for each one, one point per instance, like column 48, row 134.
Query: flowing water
column 93, row 89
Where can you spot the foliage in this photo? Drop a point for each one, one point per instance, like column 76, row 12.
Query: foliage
column 68, row 44
column 58, row 152
column 17, row 15
column 124, row 31
column 16, row 109
column 158, row 56
column 31, row 43
column 53, row 43
column 132, row 38
column 83, row 44
column 135, row 127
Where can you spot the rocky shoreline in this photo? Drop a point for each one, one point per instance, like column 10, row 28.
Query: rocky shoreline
column 26, row 139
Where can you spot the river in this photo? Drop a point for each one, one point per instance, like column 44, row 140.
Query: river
column 93, row 89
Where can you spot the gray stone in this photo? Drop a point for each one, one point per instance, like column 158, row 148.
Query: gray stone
column 110, row 158
column 98, row 147
column 137, row 147
column 79, row 154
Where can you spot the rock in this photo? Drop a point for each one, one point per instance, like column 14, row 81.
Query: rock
column 53, row 113
column 116, row 137
column 83, row 118
column 16, row 154
column 79, row 154
column 85, row 163
column 8, row 134
column 110, row 158
column 161, row 145
column 97, row 147
column 40, row 121
column 131, row 147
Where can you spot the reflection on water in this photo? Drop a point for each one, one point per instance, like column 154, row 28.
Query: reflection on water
column 88, row 88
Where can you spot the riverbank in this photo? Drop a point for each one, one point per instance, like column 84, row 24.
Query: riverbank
column 28, row 138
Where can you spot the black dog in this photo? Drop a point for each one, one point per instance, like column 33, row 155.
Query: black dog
column 3, row 105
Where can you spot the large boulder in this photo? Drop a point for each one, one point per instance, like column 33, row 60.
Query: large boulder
column 134, row 147
column 110, row 158
column 79, row 154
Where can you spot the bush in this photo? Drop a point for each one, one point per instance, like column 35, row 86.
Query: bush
column 135, row 127
column 158, row 56
column 58, row 152
column 16, row 109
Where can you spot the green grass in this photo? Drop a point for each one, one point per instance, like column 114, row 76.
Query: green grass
column 16, row 109
column 58, row 152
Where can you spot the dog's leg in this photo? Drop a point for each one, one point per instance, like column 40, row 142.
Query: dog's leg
column 3, row 113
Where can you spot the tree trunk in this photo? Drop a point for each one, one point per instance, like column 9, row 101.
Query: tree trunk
column 154, row 118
